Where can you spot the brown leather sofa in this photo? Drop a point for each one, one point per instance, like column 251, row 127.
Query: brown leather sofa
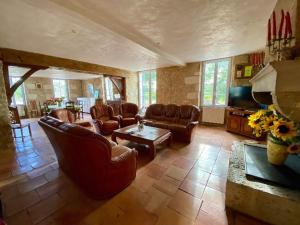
column 128, row 114
column 179, row 119
column 68, row 116
column 103, row 118
column 89, row 159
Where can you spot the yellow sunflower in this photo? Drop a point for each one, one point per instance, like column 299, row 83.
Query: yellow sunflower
column 283, row 129
column 268, row 122
column 257, row 131
column 256, row 118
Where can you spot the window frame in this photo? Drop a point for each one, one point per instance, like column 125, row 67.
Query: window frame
column 67, row 88
column 106, row 86
column 13, row 99
column 216, row 61
column 140, row 87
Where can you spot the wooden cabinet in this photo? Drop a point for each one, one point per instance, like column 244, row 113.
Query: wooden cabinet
column 237, row 121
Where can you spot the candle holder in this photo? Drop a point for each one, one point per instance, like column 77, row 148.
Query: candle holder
column 279, row 45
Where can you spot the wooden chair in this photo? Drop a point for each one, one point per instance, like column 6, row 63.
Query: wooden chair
column 33, row 108
column 16, row 122
column 70, row 105
column 80, row 103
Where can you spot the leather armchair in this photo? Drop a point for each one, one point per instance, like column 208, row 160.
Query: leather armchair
column 89, row 159
column 128, row 114
column 68, row 116
column 103, row 118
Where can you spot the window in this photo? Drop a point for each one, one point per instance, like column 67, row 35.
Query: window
column 19, row 96
column 60, row 89
column 215, row 82
column 147, row 86
column 109, row 90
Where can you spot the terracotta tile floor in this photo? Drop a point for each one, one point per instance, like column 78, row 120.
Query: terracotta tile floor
column 183, row 185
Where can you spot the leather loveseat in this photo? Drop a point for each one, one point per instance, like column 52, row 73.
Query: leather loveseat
column 89, row 159
column 179, row 119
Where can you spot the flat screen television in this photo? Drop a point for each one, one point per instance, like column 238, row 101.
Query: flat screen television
column 241, row 97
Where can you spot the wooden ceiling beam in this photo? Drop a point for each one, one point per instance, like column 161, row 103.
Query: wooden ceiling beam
column 29, row 59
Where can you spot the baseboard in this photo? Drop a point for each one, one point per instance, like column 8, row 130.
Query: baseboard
column 212, row 124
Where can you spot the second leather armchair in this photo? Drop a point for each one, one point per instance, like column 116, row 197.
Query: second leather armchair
column 103, row 118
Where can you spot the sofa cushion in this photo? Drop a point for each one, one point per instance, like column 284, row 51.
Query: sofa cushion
column 172, row 111
column 110, row 125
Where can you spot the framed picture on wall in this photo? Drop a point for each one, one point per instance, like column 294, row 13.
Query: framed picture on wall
column 243, row 71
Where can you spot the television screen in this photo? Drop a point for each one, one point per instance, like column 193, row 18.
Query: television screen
column 241, row 97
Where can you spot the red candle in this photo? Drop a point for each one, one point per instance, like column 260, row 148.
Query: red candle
column 281, row 24
column 286, row 28
column 269, row 30
column 290, row 24
column 274, row 25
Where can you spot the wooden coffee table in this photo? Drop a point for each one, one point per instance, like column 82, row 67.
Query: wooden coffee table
column 150, row 136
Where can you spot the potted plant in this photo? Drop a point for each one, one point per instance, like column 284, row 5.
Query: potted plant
column 283, row 134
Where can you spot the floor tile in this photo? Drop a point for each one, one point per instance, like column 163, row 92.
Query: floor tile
column 176, row 173
column 198, row 175
column 32, row 184
column 214, row 196
column 171, row 217
column 21, row 218
column 217, row 183
column 45, row 208
column 20, row 202
column 185, row 204
column 193, row 188
column 167, row 185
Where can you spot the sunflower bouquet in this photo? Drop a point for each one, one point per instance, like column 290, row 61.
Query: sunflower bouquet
column 280, row 130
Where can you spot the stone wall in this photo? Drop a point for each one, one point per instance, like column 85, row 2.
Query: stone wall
column 132, row 88
column 179, row 85
column 40, row 95
column 239, row 59
column 6, row 140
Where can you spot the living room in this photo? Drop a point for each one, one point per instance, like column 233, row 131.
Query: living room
column 154, row 113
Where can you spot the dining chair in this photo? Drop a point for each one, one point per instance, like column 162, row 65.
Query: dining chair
column 16, row 124
column 33, row 108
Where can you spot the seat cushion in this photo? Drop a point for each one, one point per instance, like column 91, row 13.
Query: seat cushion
column 110, row 125
column 128, row 121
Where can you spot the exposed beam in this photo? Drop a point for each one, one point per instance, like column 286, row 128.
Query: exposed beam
column 106, row 19
column 29, row 59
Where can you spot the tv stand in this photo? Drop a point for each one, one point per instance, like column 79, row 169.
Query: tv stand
column 237, row 121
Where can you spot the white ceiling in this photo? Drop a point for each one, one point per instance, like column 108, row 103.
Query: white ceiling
column 15, row 71
column 135, row 34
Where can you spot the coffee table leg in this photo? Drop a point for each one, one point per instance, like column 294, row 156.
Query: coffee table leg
column 152, row 150
column 114, row 138
column 170, row 139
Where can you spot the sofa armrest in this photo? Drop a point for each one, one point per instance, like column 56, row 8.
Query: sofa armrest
column 116, row 118
column 98, row 125
column 126, row 159
column 83, row 123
